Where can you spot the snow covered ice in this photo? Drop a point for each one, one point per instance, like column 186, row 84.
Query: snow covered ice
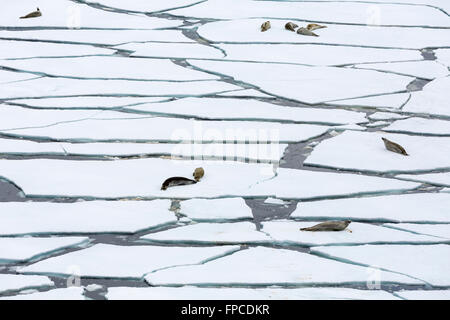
column 101, row 101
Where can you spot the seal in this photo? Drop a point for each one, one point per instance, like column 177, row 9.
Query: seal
column 198, row 174
column 176, row 181
column 394, row 147
column 265, row 26
column 329, row 226
column 314, row 26
column 33, row 14
column 290, row 26
column 306, row 32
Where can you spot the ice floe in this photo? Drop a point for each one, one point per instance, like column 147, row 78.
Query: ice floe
column 289, row 233
column 216, row 209
column 143, row 5
column 332, row 12
column 88, row 102
column 428, row 263
column 68, row 14
column 313, row 184
column 424, row 295
column 388, row 101
column 248, row 31
column 133, row 178
column 443, row 56
column 210, row 233
column 435, row 230
column 130, row 262
column 34, row 218
column 317, row 54
column 15, row 250
column 227, row 108
column 70, row 293
column 309, row 84
column 266, row 266
column 365, row 151
column 433, row 99
column 420, row 207
column 386, row 116
column 421, row 69
column 53, row 87
column 29, row 49
column 432, row 127
column 209, row 151
column 440, row 179
column 12, row 282
column 173, row 130
column 195, row 293
column 172, row 50
column 95, row 36
column 103, row 67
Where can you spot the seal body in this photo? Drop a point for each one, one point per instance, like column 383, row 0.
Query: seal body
column 176, row 181
column 198, row 174
column 306, row 32
column 290, row 26
column 314, row 26
column 33, row 14
column 394, row 147
column 329, row 226
column 265, row 26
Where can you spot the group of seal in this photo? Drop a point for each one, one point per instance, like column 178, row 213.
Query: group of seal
column 33, row 14
column 308, row 31
column 394, row 147
column 182, row 181
column 329, row 226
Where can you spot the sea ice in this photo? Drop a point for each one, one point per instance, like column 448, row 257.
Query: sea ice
column 68, row 14
column 70, row 293
column 25, row 218
column 172, row 50
column 419, row 207
column 428, row 263
column 237, row 109
column 288, row 232
column 315, row 54
column 13, row 250
column 424, row 295
column 332, row 12
column 204, row 210
column 267, row 266
column 422, row 69
column 386, row 116
column 365, row 151
column 313, row 184
column 440, row 179
column 105, row 67
column 388, row 101
column 210, row 233
column 28, row 49
column 248, row 31
column 12, row 282
column 415, row 125
column 130, row 262
column 195, row 293
column 144, row 5
column 309, row 84
column 433, row 99
column 435, row 230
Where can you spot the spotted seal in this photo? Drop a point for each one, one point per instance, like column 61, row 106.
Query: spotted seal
column 306, row 32
column 290, row 26
column 329, row 226
column 394, row 147
column 198, row 174
column 265, row 26
column 314, row 26
column 33, row 14
column 176, row 181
